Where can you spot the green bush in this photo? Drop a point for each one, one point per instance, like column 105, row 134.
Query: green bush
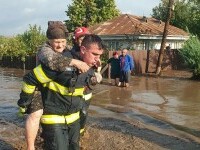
column 13, row 47
column 22, row 45
column 3, row 45
column 191, row 55
column 32, row 38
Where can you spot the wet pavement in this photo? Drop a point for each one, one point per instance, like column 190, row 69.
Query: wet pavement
column 169, row 106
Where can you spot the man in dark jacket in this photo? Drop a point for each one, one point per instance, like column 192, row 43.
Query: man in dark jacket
column 79, row 35
column 115, row 68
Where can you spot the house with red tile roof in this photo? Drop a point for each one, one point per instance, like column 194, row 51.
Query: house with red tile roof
column 138, row 33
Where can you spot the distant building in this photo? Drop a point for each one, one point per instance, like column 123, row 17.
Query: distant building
column 138, row 33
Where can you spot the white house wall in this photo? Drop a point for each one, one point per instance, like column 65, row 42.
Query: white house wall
column 141, row 44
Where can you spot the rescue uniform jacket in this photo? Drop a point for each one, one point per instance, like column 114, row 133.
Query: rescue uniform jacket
column 61, row 91
column 75, row 52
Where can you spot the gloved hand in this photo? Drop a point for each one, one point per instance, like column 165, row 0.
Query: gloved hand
column 24, row 103
column 25, row 99
column 93, row 81
column 98, row 77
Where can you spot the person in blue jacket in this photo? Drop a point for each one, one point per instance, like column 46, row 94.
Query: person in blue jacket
column 126, row 66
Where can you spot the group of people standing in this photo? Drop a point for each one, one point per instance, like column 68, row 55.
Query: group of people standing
column 121, row 67
column 57, row 92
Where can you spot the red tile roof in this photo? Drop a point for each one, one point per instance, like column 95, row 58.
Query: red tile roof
column 134, row 25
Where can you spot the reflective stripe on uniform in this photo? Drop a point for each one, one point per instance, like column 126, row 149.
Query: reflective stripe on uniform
column 27, row 88
column 82, row 130
column 87, row 96
column 40, row 75
column 62, row 89
column 54, row 119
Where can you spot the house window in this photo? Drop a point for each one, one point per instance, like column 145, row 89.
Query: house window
column 113, row 45
column 139, row 45
column 117, row 45
column 152, row 45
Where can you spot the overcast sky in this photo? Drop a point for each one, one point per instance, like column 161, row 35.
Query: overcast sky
column 17, row 15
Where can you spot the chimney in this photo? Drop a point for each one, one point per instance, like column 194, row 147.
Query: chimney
column 145, row 18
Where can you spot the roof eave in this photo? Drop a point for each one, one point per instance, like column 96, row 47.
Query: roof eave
column 143, row 37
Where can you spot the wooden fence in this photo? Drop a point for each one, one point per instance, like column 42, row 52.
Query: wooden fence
column 15, row 62
column 145, row 61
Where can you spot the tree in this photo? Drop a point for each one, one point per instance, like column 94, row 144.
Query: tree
column 106, row 10
column 186, row 14
column 160, row 11
column 191, row 55
column 32, row 38
column 3, row 44
column 12, row 47
column 22, row 45
column 89, row 12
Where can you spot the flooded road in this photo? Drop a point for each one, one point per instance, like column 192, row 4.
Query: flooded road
column 169, row 106
column 10, row 84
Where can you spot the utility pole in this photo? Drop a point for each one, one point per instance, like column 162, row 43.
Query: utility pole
column 165, row 32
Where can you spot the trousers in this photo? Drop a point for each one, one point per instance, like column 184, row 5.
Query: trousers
column 61, row 136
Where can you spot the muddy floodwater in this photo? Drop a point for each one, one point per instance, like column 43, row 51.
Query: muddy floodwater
column 168, row 106
column 165, row 104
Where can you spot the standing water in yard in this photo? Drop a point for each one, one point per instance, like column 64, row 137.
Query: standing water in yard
column 167, row 106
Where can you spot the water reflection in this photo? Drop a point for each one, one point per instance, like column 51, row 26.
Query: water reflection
column 115, row 99
column 10, row 84
column 120, row 96
column 174, row 101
